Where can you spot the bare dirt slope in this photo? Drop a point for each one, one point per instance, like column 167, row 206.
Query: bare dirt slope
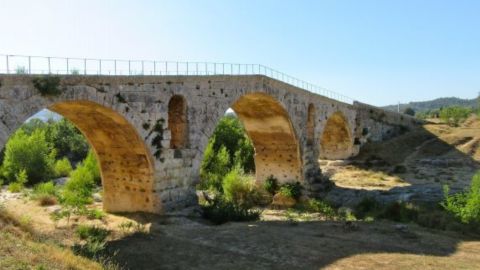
column 434, row 155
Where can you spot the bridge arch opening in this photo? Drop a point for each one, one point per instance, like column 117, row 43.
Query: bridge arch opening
column 177, row 122
column 310, row 124
column 268, row 125
column 335, row 142
column 126, row 166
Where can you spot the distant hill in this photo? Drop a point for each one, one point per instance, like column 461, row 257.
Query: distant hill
column 422, row 106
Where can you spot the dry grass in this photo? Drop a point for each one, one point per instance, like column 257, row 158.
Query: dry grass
column 23, row 248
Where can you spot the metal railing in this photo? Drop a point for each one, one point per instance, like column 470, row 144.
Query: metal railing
column 22, row 64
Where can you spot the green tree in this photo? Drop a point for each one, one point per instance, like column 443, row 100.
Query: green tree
column 214, row 167
column 90, row 162
column 67, row 140
column 31, row 153
column 454, row 115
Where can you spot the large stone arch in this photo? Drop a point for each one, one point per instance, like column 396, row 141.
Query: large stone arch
column 336, row 139
column 125, row 163
column 268, row 125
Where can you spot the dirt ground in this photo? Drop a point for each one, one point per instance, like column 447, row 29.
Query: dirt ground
column 279, row 241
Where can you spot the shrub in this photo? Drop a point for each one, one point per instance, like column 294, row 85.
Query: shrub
column 45, row 193
column 238, row 188
column 94, row 214
column 78, row 189
column 292, row 190
column 94, row 238
column 62, row 167
column 400, row 212
column 15, row 187
column 214, row 167
column 19, row 184
column 31, row 153
column 319, row 206
column 465, row 205
column 368, row 207
column 455, row 114
column 221, row 211
column 47, row 85
column 91, row 165
column 271, row 184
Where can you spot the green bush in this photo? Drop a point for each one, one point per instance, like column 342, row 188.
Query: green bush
column 221, row 211
column 45, row 193
column 95, row 239
column 271, row 184
column 66, row 139
column 400, row 212
column 318, row 206
column 292, row 190
column 31, row 153
column 465, row 205
column 214, row 167
column 15, row 187
column 19, row 184
column 239, row 188
column 368, row 207
column 91, row 164
column 229, row 147
column 62, row 167
column 455, row 114
column 78, row 189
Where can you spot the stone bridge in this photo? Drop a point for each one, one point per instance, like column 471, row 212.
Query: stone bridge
column 149, row 132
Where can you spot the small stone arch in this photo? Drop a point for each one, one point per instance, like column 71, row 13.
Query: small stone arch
column 310, row 124
column 336, row 142
column 177, row 122
column 268, row 125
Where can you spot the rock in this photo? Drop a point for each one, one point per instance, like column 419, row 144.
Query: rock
column 97, row 197
column 401, row 227
column 282, row 201
column 60, row 181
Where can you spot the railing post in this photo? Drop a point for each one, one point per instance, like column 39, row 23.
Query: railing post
column 85, row 66
column 143, row 69
column 206, row 69
column 6, row 58
column 154, row 68
column 49, row 67
column 100, row 66
column 214, row 68
column 29, row 65
column 115, row 66
column 129, row 70
column 196, row 68
column 67, row 68
column 177, row 69
column 187, row 68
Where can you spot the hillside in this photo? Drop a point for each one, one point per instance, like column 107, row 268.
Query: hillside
column 422, row 106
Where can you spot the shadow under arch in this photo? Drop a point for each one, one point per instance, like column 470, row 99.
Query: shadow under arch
column 336, row 140
column 268, row 125
column 125, row 163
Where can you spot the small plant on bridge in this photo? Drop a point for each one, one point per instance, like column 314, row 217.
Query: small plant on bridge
column 47, row 85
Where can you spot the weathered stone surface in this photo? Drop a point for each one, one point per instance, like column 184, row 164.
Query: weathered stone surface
column 149, row 132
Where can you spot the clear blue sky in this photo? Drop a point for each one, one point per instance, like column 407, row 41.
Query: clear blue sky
column 379, row 52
